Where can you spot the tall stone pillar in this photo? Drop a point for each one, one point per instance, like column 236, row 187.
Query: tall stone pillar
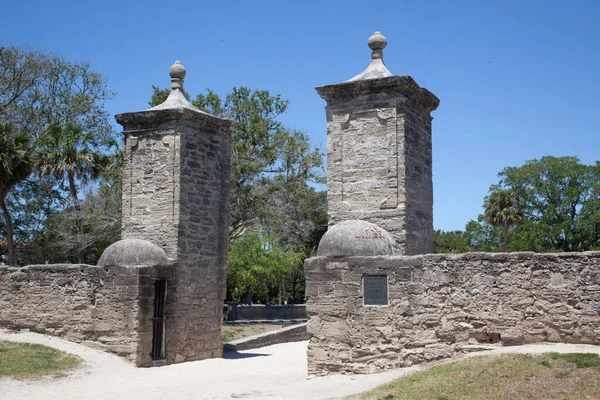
column 176, row 195
column 379, row 152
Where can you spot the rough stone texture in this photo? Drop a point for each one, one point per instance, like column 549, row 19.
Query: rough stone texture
column 356, row 238
column 379, row 157
column 176, row 194
column 441, row 304
column 130, row 252
column 104, row 307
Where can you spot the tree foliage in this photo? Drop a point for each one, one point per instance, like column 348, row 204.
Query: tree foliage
column 449, row 241
column 15, row 166
column 503, row 208
column 39, row 90
column 42, row 94
column 59, row 240
column 558, row 203
column 71, row 156
column 264, row 266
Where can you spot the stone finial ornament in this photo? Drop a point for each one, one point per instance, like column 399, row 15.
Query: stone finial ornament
column 177, row 73
column 177, row 97
column 377, row 68
column 377, row 43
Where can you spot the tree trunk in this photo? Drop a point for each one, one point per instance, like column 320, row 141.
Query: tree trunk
column 293, row 290
column 9, row 232
column 77, row 207
column 248, row 298
column 505, row 236
column 280, row 292
column 267, row 293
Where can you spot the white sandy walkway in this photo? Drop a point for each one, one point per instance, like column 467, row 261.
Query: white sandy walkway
column 273, row 372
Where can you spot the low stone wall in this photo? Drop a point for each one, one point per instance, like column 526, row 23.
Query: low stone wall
column 105, row 307
column 438, row 303
column 293, row 333
column 267, row 312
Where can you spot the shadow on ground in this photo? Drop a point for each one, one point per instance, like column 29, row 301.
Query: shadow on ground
column 234, row 355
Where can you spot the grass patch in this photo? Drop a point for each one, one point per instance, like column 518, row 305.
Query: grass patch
column 26, row 360
column 235, row 332
column 507, row 377
column 582, row 360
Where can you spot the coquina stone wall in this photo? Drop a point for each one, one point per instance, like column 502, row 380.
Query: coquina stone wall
column 440, row 303
column 379, row 157
column 176, row 195
column 104, row 307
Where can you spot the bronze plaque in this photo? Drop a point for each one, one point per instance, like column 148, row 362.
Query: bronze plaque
column 375, row 290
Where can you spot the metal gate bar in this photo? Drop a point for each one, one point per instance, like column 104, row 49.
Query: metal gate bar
column 158, row 321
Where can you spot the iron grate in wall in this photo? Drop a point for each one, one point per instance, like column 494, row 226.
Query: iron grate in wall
column 158, row 320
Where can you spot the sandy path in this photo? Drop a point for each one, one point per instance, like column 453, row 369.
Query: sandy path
column 273, row 372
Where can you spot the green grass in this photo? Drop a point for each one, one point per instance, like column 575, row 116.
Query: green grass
column 227, row 334
column 508, row 377
column 582, row 360
column 26, row 360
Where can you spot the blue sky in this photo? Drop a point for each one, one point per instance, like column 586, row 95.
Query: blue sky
column 517, row 80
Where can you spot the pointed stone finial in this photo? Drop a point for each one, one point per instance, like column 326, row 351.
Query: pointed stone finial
column 177, row 72
column 177, row 97
column 376, row 68
column 377, row 43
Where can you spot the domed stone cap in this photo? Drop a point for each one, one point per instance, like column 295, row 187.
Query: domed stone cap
column 356, row 238
column 131, row 252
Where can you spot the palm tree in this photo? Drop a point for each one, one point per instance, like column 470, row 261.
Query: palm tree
column 15, row 166
column 503, row 208
column 67, row 152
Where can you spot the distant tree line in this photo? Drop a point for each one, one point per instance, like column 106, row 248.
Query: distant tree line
column 550, row 204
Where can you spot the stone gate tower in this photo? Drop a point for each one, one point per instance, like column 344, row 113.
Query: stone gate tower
column 379, row 152
column 176, row 195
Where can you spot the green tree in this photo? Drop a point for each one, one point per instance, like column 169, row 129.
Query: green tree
column 101, row 221
column 68, row 153
column 555, row 192
column 558, row 202
column 39, row 91
column 262, row 265
column 449, row 241
column 503, row 208
column 292, row 209
column 15, row 166
column 482, row 236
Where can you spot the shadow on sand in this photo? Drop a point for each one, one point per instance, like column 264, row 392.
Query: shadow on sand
column 234, row 355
